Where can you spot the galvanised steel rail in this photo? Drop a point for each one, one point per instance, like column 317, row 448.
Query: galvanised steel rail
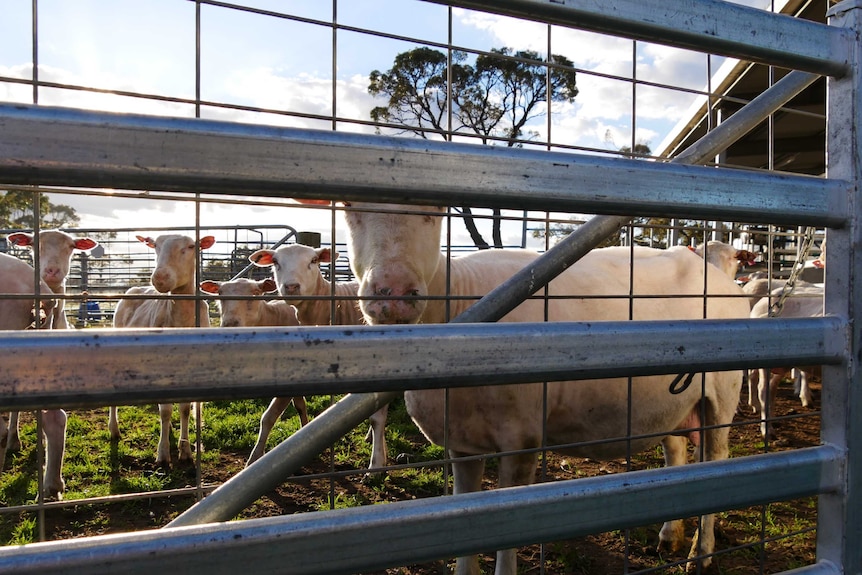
column 425, row 529
column 706, row 26
column 56, row 146
column 96, row 367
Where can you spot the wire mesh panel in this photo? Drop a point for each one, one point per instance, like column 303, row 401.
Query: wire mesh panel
column 449, row 151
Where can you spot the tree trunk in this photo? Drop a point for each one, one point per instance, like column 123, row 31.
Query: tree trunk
column 477, row 238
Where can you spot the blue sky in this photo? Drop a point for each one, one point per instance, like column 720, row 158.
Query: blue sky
column 148, row 46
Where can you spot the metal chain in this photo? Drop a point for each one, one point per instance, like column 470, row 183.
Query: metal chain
column 798, row 265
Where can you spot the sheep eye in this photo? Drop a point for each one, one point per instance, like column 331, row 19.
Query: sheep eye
column 314, row 261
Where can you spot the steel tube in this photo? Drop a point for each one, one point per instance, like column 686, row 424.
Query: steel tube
column 706, row 26
column 50, row 369
column 54, row 146
column 420, row 530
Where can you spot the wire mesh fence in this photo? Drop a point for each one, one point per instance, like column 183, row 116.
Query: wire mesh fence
column 341, row 67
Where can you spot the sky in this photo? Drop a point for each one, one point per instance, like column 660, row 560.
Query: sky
column 148, row 47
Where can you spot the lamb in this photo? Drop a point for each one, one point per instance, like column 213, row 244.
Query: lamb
column 249, row 309
column 55, row 255
column 250, row 312
column 174, row 274
column 297, row 274
column 398, row 255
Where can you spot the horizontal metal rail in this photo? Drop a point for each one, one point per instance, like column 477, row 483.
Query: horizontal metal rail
column 427, row 529
column 706, row 26
column 57, row 146
column 45, row 369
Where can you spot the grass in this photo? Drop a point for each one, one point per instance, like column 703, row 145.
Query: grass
column 94, row 466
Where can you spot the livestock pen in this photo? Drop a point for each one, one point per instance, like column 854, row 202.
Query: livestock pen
column 163, row 145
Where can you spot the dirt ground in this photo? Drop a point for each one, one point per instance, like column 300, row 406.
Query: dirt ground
column 595, row 555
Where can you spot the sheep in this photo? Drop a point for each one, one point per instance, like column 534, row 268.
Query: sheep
column 250, row 312
column 806, row 300
column 18, row 278
column 249, row 309
column 55, row 255
column 397, row 254
column 297, row 274
column 174, row 274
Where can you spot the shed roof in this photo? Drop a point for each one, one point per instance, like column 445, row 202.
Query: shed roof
column 797, row 133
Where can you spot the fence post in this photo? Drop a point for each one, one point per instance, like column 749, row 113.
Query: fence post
column 839, row 529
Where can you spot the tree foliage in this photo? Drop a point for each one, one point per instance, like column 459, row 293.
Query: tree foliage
column 17, row 210
column 493, row 98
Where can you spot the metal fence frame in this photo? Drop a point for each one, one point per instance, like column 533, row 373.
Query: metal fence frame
column 48, row 146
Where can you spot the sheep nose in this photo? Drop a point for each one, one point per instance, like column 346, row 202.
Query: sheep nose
column 291, row 289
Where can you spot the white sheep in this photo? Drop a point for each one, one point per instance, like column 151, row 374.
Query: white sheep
column 174, row 274
column 806, row 300
column 403, row 277
column 301, row 283
column 55, row 256
column 251, row 310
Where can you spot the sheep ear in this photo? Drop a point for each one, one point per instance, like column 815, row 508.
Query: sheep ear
column 746, row 257
column 324, row 255
column 313, row 202
column 20, row 239
column 207, row 242
column 209, row 286
column 261, row 258
column 149, row 241
column 268, row 285
column 85, row 244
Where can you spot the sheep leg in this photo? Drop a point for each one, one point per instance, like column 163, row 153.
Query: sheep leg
column 302, row 409
column 267, row 422
column 767, row 388
column 716, row 447
column 13, row 443
column 379, row 456
column 54, row 429
column 800, row 386
column 4, row 440
column 184, row 446
column 671, row 537
column 113, row 423
column 164, row 452
column 753, row 386
column 468, row 479
column 514, row 470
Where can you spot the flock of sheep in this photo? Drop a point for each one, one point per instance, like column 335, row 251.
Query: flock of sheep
column 400, row 270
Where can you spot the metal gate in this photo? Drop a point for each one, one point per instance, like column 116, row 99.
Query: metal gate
column 65, row 147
